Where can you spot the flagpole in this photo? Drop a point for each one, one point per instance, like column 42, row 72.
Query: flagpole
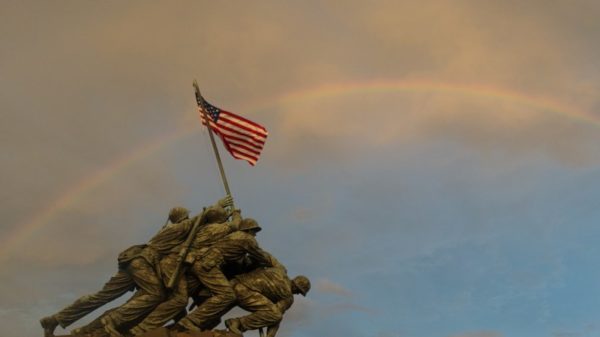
column 214, row 144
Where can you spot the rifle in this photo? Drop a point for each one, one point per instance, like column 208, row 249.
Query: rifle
column 186, row 248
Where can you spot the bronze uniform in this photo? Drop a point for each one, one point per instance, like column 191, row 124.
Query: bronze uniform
column 266, row 293
column 132, row 272
column 137, row 269
column 177, row 301
column 148, row 297
column 207, row 268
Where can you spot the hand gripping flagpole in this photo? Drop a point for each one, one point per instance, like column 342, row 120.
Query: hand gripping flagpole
column 207, row 118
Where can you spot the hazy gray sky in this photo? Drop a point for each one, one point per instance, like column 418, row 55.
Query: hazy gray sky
column 432, row 166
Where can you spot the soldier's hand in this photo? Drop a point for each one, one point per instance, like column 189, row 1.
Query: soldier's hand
column 225, row 202
column 235, row 214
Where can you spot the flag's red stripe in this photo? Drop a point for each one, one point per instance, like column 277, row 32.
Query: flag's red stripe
column 239, row 123
column 226, row 143
column 242, row 146
column 236, row 153
column 248, row 151
column 247, row 140
column 233, row 123
column 239, row 117
column 250, row 160
column 246, row 148
column 244, row 154
column 241, row 128
column 244, row 119
column 240, row 133
column 237, row 132
column 235, row 148
column 262, row 132
column 238, row 139
column 259, row 137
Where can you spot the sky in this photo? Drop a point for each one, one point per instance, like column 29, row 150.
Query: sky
column 432, row 166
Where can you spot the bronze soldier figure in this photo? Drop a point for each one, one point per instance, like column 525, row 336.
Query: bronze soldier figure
column 137, row 269
column 207, row 267
column 133, row 271
column 216, row 229
column 267, row 293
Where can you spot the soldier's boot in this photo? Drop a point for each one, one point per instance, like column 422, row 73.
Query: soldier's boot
column 94, row 328
column 109, row 326
column 234, row 325
column 49, row 324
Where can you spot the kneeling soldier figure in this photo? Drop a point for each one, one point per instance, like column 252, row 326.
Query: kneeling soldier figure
column 267, row 293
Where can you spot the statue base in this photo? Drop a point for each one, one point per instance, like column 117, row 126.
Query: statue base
column 163, row 332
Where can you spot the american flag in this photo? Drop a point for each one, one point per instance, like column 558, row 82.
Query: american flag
column 243, row 138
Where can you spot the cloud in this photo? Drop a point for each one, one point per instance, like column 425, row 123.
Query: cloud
column 302, row 214
column 308, row 314
column 568, row 334
column 479, row 334
column 389, row 334
column 328, row 286
column 587, row 330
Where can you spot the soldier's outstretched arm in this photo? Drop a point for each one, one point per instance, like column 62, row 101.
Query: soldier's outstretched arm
column 275, row 263
column 260, row 256
column 222, row 203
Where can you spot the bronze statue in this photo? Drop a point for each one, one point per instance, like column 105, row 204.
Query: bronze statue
column 137, row 270
column 223, row 266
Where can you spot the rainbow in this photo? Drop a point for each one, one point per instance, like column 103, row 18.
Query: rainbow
column 427, row 86
column 70, row 196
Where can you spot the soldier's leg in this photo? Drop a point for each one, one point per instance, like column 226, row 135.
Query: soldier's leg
column 93, row 327
column 215, row 306
column 98, row 325
column 150, row 292
column 170, row 308
column 263, row 311
column 198, row 298
column 114, row 288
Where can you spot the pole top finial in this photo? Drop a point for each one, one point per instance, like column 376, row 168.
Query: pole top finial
column 195, row 84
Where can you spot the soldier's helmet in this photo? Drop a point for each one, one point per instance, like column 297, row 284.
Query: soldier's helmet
column 177, row 214
column 249, row 224
column 216, row 215
column 302, row 283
